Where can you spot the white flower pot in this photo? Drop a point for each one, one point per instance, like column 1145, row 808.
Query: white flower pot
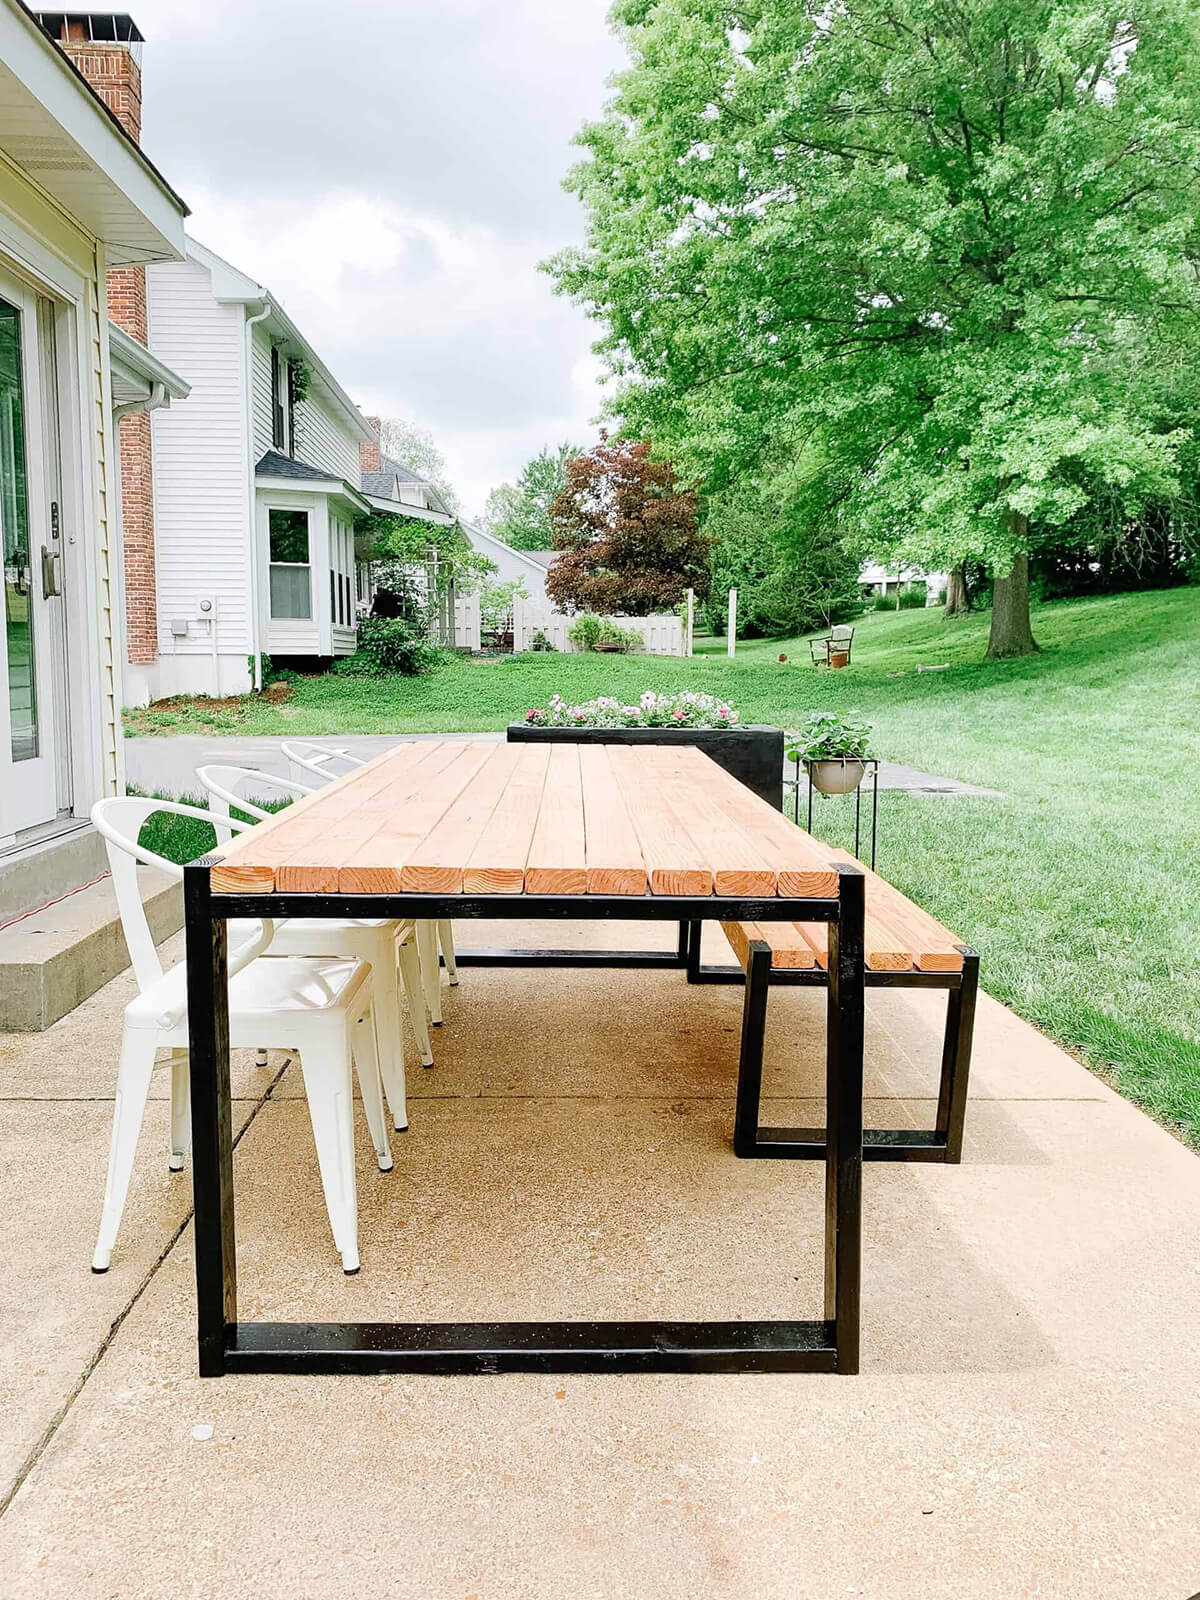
column 842, row 775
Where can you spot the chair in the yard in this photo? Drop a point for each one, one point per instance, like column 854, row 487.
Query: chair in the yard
column 837, row 643
column 318, row 1006
column 323, row 762
column 388, row 946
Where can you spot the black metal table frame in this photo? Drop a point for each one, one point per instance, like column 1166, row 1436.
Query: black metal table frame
column 942, row 1142
column 228, row 1345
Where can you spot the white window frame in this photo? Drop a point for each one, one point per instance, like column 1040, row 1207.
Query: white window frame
column 306, row 513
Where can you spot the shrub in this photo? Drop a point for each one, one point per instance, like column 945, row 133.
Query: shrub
column 584, row 632
column 389, row 647
column 589, row 632
column 913, row 596
column 541, row 642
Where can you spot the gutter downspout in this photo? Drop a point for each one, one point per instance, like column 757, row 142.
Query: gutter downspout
column 255, row 613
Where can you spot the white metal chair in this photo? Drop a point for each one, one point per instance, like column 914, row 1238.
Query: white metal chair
column 321, row 760
column 386, row 945
column 321, row 1008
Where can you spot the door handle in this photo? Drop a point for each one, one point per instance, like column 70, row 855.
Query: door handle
column 50, row 573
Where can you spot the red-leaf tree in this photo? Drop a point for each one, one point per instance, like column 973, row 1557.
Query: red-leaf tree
column 626, row 534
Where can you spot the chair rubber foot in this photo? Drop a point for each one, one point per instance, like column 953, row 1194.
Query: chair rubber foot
column 99, row 1271
column 454, row 983
column 175, row 1164
column 396, row 1128
column 385, row 1163
column 350, row 1272
column 438, row 1023
column 427, row 1065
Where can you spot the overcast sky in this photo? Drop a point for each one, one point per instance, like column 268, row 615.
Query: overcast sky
column 392, row 170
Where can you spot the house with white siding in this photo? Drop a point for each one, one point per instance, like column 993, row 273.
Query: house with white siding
column 257, row 486
column 77, row 198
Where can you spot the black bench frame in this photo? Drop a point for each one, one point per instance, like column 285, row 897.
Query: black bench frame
column 942, row 1143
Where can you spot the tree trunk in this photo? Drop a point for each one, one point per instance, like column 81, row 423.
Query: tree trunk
column 1012, row 634
column 956, row 591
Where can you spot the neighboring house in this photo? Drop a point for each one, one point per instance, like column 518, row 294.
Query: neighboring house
column 76, row 198
column 875, row 580
column 256, row 488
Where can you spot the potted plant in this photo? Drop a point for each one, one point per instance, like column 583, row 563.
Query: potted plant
column 834, row 748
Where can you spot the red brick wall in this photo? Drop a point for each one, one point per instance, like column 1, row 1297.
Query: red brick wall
column 368, row 456
column 117, row 79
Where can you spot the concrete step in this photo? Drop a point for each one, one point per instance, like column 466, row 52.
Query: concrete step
column 42, row 871
column 54, row 958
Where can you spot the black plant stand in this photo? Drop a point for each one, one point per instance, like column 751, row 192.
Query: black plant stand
column 867, row 761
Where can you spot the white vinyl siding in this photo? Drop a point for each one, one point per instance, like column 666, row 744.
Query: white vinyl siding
column 201, row 486
column 323, row 440
column 322, row 436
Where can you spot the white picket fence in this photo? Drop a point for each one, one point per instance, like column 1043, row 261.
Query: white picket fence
column 467, row 634
column 661, row 635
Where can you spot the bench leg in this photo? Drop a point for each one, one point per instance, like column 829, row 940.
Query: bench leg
column 750, row 1061
column 956, row 1058
column 942, row 1143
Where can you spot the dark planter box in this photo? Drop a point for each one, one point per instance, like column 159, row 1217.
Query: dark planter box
column 754, row 755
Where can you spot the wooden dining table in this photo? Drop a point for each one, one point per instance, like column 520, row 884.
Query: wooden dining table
column 475, row 830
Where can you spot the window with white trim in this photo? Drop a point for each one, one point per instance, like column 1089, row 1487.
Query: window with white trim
column 291, row 572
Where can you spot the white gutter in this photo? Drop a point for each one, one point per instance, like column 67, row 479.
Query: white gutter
column 255, row 615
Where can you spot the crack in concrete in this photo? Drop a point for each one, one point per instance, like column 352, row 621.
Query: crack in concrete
column 77, row 1388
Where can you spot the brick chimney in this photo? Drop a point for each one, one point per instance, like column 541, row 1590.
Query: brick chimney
column 370, row 455
column 106, row 47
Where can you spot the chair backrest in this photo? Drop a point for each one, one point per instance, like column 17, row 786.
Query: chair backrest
column 842, row 634
column 327, row 761
column 223, row 784
column 119, row 821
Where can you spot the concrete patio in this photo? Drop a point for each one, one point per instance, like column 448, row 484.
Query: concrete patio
column 1027, row 1422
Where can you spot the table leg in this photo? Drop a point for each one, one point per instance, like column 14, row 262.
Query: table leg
column 212, row 1119
column 843, row 1118
column 956, row 1057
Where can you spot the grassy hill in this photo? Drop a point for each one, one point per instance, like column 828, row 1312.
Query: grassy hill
column 1079, row 885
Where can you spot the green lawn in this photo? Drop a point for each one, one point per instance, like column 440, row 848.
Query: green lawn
column 1080, row 887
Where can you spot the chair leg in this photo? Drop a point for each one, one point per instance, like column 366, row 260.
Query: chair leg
column 389, row 1029
column 365, row 1049
column 181, row 1109
column 446, row 939
column 431, row 977
column 330, row 1092
column 133, row 1086
column 414, row 993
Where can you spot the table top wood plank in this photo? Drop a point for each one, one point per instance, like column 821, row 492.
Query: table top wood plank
column 802, row 864
column 437, row 864
column 557, row 860
column 496, row 864
column 247, row 864
column 688, row 786
column 675, row 862
column 613, row 853
column 376, row 864
column 313, row 866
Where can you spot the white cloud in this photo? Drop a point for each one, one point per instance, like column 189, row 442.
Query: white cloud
column 392, row 172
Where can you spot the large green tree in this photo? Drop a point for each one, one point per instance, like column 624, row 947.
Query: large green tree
column 519, row 513
column 935, row 249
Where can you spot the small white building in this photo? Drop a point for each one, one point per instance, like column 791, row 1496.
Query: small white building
column 257, row 485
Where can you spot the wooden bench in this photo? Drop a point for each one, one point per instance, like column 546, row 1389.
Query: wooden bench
column 905, row 948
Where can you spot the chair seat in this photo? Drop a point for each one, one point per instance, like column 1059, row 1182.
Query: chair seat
column 303, row 935
column 301, row 986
